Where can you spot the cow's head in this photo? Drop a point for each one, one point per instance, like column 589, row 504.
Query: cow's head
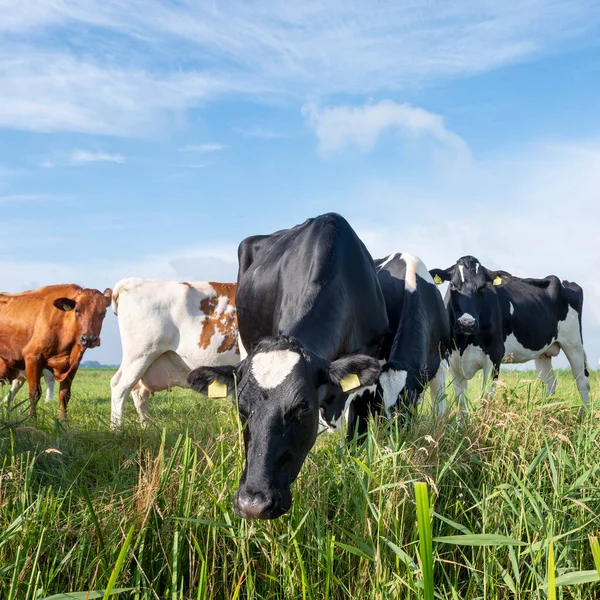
column 89, row 308
column 469, row 281
column 280, row 388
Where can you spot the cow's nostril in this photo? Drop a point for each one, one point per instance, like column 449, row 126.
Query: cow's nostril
column 254, row 506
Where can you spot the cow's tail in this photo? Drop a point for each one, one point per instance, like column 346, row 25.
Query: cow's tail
column 119, row 287
column 574, row 293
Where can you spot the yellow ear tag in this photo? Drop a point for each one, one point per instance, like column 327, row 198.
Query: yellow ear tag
column 67, row 307
column 217, row 390
column 349, row 382
column 497, row 280
column 437, row 280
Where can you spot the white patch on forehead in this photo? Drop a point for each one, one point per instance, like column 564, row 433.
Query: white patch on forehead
column 476, row 268
column 392, row 383
column 466, row 317
column 511, row 308
column 461, row 270
column 271, row 368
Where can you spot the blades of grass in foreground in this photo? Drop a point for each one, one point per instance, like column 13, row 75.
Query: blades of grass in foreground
column 117, row 568
column 595, row 552
column 551, row 572
column 425, row 538
column 479, row 539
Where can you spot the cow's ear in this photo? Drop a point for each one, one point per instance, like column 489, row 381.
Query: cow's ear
column 214, row 382
column 353, row 372
column 499, row 278
column 107, row 296
column 65, row 304
column 440, row 275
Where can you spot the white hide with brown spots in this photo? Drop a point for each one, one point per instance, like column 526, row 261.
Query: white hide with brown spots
column 167, row 329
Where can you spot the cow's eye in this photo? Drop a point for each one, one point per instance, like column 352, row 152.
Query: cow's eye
column 77, row 312
column 303, row 410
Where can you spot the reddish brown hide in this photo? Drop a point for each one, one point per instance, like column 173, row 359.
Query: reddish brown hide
column 50, row 328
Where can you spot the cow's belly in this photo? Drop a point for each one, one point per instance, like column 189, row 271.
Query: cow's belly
column 515, row 352
column 472, row 360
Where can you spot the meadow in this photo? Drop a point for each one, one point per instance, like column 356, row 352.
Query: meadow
column 513, row 503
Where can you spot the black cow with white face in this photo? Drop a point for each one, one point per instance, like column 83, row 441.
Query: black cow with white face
column 312, row 316
column 497, row 318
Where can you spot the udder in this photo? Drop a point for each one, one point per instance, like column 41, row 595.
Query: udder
column 166, row 372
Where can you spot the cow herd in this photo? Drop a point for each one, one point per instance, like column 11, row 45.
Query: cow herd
column 314, row 333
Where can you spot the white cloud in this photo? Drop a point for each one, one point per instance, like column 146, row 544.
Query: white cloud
column 209, row 147
column 258, row 132
column 51, row 91
column 148, row 59
column 78, row 157
column 340, row 126
column 201, row 165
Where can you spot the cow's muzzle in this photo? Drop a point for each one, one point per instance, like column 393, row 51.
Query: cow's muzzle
column 259, row 505
column 89, row 341
column 467, row 324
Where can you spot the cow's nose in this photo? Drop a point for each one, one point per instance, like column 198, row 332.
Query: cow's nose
column 88, row 341
column 467, row 322
column 254, row 505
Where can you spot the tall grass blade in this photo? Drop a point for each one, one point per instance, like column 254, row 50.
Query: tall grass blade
column 551, row 572
column 425, row 539
column 119, row 565
column 595, row 546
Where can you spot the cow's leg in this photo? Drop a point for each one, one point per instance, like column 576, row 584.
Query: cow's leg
column 49, row 379
column 140, row 395
column 543, row 366
column 64, row 395
column 576, row 356
column 129, row 373
column 437, row 389
column 33, row 371
column 16, row 385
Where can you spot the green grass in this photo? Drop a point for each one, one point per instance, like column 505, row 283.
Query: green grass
column 84, row 508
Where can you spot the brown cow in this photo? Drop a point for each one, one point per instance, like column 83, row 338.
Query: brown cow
column 49, row 328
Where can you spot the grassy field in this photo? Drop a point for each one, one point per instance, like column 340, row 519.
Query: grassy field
column 514, row 493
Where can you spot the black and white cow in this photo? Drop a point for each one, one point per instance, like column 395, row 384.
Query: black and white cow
column 497, row 318
column 312, row 317
column 416, row 343
column 418, row 338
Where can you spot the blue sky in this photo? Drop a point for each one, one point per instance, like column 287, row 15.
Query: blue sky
column 147, row 138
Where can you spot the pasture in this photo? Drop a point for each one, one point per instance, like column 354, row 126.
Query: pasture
column 85, row 508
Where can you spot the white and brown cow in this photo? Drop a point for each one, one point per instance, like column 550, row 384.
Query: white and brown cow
column 167, row 329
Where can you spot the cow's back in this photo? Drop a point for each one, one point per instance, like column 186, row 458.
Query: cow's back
column 30, row 322
column 532, row 308
column 419, row 326
column 316, row 282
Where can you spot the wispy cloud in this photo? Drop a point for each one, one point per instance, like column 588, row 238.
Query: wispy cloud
column 209, row 147
column 272, row 51
column 201, row 165
column 85, row 156
column 258, row 132
column 82, row 157
column 338, row 127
